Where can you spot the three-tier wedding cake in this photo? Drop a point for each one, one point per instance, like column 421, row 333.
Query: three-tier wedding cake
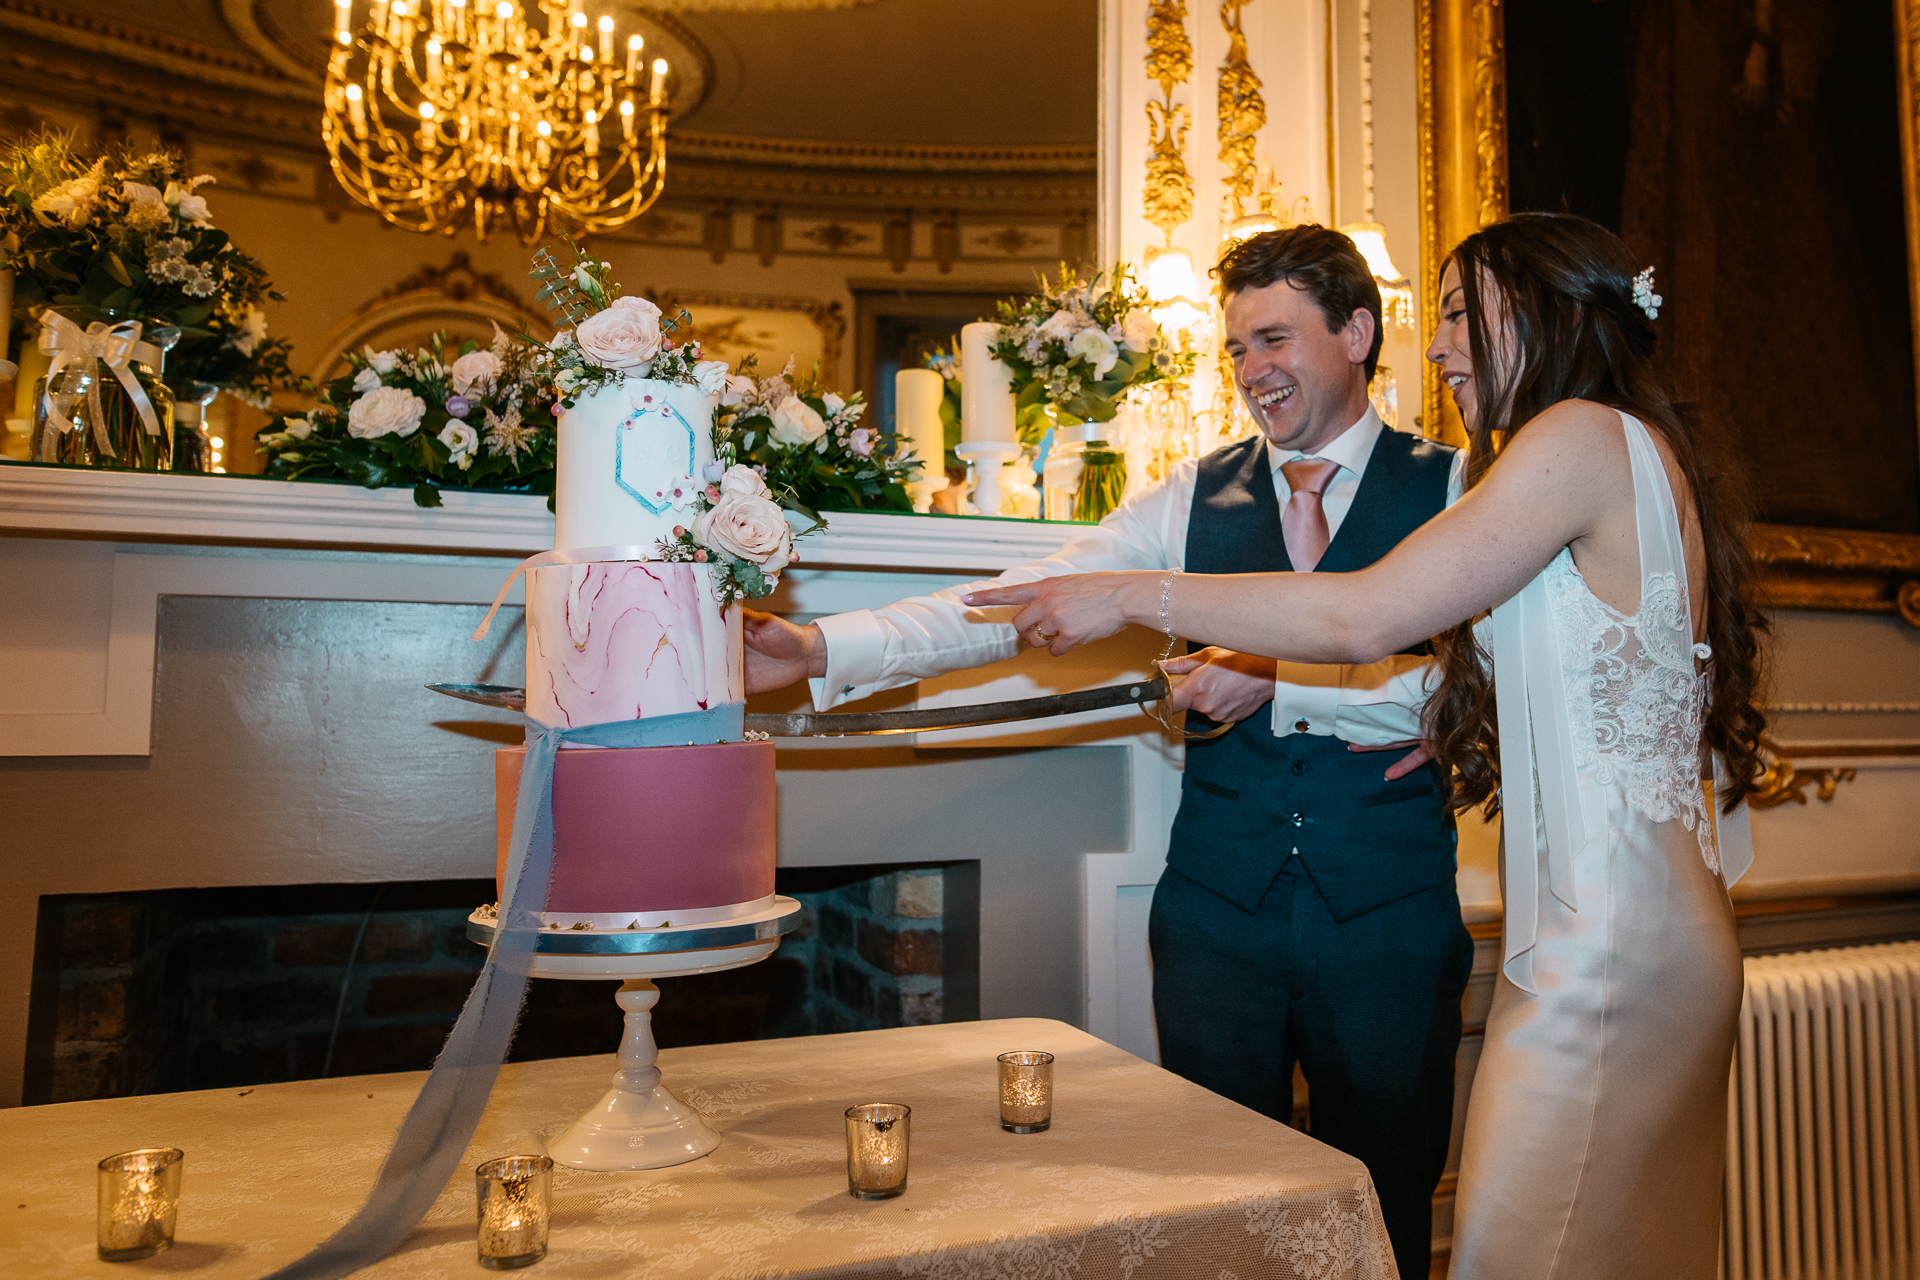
column 640, row 618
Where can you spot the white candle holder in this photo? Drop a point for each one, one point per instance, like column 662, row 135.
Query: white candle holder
column 988, row 458
column 922, row 491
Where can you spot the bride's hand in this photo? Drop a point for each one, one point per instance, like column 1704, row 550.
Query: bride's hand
column 1058, row 613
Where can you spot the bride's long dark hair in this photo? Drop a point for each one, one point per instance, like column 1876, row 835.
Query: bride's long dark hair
column 1565, row 287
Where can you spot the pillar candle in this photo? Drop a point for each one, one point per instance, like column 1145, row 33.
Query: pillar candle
column 916, row 398
column 986, row 386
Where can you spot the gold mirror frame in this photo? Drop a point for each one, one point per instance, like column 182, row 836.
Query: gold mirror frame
column 1463, row 186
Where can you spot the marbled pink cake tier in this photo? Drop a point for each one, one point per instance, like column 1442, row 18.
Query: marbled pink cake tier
column 625, row 640
column 651, row 832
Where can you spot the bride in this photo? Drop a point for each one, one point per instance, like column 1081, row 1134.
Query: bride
column 1624, row 650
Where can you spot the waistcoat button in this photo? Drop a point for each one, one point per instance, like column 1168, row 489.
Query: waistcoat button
column 1299, row 767
column 1298, row 821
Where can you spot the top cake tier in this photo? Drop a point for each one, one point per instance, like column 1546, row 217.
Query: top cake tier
column 630, row 458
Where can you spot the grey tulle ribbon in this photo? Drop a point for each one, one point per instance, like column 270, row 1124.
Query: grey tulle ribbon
column 426, row 1151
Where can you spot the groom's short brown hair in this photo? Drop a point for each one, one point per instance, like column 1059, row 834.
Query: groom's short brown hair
column 1311, row 257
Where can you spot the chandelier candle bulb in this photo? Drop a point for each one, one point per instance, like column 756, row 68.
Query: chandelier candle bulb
column 592, row 132
column 986, row 387
column 606, row 39
column 657, row 92
column 356, row 111
column 634, row 45
column 343, row 21
column 433, row 59
column 626, row 119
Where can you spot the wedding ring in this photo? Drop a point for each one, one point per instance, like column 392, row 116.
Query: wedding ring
column 1043, row 635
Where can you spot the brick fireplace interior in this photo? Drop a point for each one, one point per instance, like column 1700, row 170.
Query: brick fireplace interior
column 215, row 988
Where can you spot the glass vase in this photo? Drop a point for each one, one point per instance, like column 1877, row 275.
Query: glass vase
column 83, row 415
column 1085, row 476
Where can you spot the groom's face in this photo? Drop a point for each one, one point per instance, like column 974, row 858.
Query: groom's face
column 1303, row 384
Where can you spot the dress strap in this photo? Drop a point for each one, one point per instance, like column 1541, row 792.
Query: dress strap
column 1535, row 730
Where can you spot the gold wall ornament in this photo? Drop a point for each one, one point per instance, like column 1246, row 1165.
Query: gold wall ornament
column 1780, row 782
column 1844, row 570
column 1463, row 154
column 1168, row 196
column 444, row 112
column 1243, row 113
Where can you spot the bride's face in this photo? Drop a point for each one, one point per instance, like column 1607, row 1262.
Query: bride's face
column 1452, row 345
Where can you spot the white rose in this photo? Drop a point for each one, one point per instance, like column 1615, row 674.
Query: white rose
column 385, row 411
column 299, row 428
column 624, row 336
column 744, row 480
column 462, row 441
column 366, row 380
column 712, row 376
column 1138, row 329
column 1062, row 325
column 834, row 404
column 143, row 201
column 190, row 206
column 746, row 528
column 474, row 369
column 384, row 361
column 795, row 422
column 250, row 332
column 738, row 391
column 1096, row 348
column 72, row 201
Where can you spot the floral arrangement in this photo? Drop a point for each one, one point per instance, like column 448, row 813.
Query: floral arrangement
column 611, row 337
column 478, row 420
column 1076, row 347
column 126, row 235
column 808, row 442
column 738, row 525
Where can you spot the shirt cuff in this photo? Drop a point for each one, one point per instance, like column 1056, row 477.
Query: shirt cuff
column 856, row 647
column 1304, row 708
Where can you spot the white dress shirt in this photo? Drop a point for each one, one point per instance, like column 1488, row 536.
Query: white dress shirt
column 1370, row 704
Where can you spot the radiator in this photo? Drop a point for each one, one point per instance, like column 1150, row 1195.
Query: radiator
column 1823, row 1118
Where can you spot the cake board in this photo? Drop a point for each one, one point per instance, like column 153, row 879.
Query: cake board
column 638, row 1124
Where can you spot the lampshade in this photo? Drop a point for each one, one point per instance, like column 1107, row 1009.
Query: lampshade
column 1396, row 293
column 1247, row 226
column 1169, row 275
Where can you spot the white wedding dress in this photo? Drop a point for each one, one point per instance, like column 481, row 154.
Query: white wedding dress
column 1596, row 1130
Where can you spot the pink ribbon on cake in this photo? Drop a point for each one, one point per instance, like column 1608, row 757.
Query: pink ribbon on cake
column 574, row 555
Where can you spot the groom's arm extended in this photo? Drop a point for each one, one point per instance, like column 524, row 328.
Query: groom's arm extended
column 869, row 650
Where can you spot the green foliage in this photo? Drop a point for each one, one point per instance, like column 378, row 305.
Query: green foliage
column 818, row 454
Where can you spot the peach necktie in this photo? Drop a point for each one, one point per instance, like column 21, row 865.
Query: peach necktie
column 1304, row 523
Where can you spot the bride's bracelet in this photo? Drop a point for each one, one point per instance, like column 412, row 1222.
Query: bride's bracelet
column 1166, row 608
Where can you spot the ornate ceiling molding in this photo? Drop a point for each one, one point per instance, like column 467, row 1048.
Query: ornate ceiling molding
column 148, row 48
column 893, row 158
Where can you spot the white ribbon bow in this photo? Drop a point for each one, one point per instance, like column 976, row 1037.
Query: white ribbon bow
column 116, row 346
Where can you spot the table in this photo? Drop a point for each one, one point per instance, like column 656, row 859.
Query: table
column 1142, row 1176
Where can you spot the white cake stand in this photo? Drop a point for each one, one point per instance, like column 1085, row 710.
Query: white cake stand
column 638, row 1124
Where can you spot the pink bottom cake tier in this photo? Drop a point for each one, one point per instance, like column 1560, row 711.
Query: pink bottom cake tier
column 650, row 836
column 628, row 639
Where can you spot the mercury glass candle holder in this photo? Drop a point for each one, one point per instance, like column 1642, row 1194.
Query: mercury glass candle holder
column 877, row 1149
column 1026, row 1091
column 139, row 1202
column 515, row 1197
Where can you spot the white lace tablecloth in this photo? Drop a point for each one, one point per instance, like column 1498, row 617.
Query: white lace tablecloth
column 1143, row 1175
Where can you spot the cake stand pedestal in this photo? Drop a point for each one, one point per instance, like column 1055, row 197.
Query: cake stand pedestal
column 638, row 1124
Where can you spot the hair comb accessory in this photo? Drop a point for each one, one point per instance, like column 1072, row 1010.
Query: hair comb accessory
column 1643, row 295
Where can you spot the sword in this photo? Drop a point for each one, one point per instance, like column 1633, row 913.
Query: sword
column 806, row 724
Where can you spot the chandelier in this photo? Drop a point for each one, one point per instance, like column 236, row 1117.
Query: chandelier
column 440, row 112
column 1396, row 293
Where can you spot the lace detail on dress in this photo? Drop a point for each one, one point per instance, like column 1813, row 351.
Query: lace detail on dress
column 1636, row 704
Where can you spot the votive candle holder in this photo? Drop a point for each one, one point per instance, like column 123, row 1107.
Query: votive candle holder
column 514, row 1195
column 139, row 1202
column 1026, row 1091
column 877, row 1149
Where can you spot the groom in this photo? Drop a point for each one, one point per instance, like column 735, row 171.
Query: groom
column 1308, row 912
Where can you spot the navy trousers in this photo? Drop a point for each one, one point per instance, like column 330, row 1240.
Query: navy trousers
column 1370, row 1009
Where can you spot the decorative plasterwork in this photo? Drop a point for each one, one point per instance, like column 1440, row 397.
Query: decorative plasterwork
column 803, row 154
column 1781, row 782
column 148, row 48
column 1242, row 112
column 1839, row 569
column 1169, row 188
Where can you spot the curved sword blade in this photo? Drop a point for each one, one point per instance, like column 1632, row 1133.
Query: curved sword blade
column 807, row 724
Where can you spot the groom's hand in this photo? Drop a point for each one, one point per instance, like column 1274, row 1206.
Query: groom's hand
column 779, row 653
column 1406, row 764
column 1224, row 686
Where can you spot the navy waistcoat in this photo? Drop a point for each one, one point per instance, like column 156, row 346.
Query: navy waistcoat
column 1249, row 799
